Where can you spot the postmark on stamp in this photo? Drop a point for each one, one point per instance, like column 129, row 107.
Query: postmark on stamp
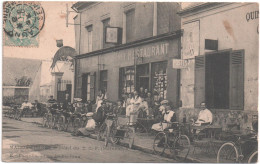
column 22, row 22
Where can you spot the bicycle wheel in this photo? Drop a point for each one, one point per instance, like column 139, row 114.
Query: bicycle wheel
column 253, row 157
column 53, row 122
column 44, row 120
column 181, row 148
column 113, row 139
column 227, row 153
column 131, row 136
column 76, row 124
column 49, row 122
column 60, row 123
column 160, row 143
column 107, row 135
column 101, row 132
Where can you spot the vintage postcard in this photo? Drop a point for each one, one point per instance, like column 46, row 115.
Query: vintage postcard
column 146, row 82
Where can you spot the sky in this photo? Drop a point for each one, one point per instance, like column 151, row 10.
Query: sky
column 54, row 29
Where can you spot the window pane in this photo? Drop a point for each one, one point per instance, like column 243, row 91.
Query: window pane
column 103, row 80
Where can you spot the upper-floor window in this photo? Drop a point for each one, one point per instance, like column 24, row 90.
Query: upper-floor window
column 130, row 27
column 89, row 38
column 106, row 23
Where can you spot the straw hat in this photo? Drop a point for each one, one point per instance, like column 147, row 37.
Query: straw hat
column 164, row 102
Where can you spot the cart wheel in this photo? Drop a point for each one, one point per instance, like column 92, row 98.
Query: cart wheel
column 160, row 143
column 181, row 148
column 131, row 136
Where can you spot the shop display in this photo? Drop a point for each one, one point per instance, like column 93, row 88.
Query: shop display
column 160, row 85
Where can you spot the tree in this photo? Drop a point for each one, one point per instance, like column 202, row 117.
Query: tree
column 23, row 81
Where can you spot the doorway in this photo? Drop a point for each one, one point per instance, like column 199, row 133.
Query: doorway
column 217, row 80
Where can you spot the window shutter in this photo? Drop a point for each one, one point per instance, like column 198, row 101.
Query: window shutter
column 236, row 80
column 92, row 85
column 199, row 90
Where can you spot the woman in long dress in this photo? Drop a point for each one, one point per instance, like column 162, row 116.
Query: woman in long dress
column 99, row 99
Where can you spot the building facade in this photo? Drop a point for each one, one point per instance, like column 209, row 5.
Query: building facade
column 151, row 38
column 220, row 52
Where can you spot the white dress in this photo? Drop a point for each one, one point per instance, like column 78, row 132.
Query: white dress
column 164, row 125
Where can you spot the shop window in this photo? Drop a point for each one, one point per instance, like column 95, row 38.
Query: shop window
column 89, row 38
column 103, row 80
column 126, row 80
column 159, row 80
column 130, row 27
column 219, row 80
column 106, row 23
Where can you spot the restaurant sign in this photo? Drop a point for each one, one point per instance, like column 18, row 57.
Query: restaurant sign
column 157, row 49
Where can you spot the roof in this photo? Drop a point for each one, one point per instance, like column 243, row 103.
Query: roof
column 15, row 68
column 81, row 5
column 200, row 7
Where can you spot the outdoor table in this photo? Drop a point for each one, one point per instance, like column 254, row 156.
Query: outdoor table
column 211, row 129
column 146, row 123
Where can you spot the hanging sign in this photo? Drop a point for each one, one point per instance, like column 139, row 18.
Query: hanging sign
column 180, row 63
column 113, row 35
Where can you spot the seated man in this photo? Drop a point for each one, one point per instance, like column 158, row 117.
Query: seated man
column 90, row 126
column 168, row 117
column 205, row 116
column 26, row 106
column 119, row 109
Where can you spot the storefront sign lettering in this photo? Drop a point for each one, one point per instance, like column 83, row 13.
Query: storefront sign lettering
column 252, row 15
column 161, row 49
column 155, row 50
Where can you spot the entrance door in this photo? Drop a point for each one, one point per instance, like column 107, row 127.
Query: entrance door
column 217, row 80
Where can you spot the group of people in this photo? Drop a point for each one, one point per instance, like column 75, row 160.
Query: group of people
column 133, row 106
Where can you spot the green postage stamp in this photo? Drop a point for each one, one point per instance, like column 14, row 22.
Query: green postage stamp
column 22, row 22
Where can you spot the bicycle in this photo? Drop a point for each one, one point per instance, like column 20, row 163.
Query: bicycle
column 232, row 151
column 172, row 138
column 105, row 129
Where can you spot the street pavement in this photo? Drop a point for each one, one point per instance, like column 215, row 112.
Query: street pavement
column 27, row 142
